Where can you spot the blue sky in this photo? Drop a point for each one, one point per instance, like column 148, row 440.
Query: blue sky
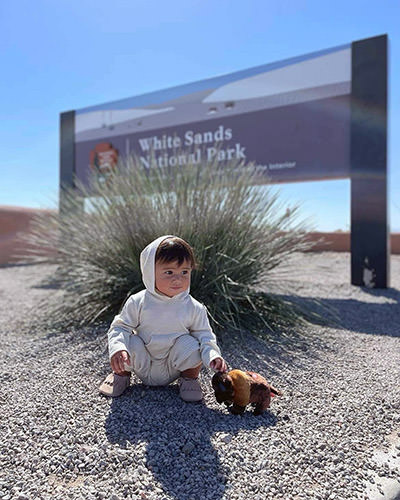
column 61, row 55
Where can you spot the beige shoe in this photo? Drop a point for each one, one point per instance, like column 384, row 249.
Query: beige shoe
column 114, row 385
column 190, row 389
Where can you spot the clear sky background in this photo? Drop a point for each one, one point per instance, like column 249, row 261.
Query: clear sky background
column 59, row 55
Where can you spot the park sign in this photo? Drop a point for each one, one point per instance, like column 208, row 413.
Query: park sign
column 318, row 116
column 291, row 118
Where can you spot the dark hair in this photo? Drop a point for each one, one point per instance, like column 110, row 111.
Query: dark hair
column 175, row 249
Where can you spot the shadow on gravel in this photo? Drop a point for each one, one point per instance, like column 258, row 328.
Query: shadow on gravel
column 358, row 316
column 48, row 285
column 179, row 452
column 391, row 293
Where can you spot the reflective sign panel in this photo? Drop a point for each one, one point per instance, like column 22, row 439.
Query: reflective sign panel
column 292, row 118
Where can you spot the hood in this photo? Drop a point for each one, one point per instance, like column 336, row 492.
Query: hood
column 147, row 265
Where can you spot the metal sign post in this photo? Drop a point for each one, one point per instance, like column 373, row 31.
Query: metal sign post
column 370, row 243
column 67, row 156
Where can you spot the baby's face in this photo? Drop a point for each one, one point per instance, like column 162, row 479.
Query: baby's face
column 172, row 278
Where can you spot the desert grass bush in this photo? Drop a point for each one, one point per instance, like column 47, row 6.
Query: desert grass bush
column 241, row 235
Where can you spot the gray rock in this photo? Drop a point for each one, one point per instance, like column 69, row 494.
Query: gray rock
column 188, row 447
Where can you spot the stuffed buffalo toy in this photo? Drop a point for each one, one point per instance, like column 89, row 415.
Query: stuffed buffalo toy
column 237, row 389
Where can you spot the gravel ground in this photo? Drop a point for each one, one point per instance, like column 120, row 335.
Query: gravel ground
column 334, row 434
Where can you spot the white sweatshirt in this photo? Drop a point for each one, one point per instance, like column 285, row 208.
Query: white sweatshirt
column 159, row 320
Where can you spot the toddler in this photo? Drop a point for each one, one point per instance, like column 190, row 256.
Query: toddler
column 162, row 333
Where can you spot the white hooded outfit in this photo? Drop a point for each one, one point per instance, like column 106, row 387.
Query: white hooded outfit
column 163, row 335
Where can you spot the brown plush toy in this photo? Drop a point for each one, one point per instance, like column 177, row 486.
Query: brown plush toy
column 238, row 388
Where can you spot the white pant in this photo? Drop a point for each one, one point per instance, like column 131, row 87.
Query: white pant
column 183, row 354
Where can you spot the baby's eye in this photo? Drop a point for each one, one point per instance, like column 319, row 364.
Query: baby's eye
column 185, row 272
column 167, row 272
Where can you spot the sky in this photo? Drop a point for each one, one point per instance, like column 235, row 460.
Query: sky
column 57, row 56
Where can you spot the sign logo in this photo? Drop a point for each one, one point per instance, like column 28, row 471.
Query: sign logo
column 103, row 160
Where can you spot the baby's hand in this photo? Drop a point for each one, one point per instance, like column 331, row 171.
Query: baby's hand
column 218, row 365
column 118, row 361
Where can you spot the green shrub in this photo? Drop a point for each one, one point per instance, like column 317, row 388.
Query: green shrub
column 240, row 234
